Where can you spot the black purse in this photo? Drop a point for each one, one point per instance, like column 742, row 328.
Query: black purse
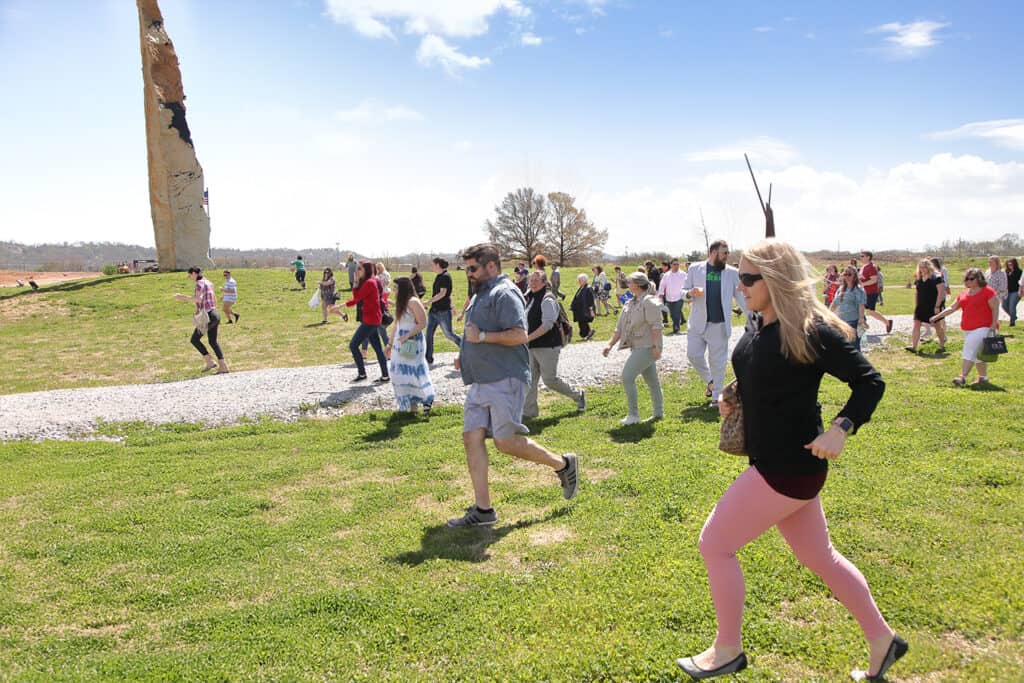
column 992, row 348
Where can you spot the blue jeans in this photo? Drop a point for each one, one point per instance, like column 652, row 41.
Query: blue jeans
column 382, row 330
column 370, row 332
column 675, row 309
column 1010, row 306
column 442, row 319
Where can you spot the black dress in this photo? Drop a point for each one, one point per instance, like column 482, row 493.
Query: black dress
column 927, row 298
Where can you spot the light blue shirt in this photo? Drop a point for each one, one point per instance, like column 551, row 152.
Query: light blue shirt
column 848, row 303
column 497, row 305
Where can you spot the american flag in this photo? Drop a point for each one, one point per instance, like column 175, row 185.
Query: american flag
column 206, row 197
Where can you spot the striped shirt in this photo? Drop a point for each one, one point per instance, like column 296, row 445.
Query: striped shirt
column 204, row 293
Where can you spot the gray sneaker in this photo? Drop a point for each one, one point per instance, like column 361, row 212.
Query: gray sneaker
column 474, row 517
column 581, row 405
column 568, row 476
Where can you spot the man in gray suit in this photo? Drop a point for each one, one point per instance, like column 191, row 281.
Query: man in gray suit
column 711, row 288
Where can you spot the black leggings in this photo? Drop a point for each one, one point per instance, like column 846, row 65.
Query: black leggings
column 211, row 336
column 584, row 327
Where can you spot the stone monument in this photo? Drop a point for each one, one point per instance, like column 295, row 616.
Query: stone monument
column 180, row 225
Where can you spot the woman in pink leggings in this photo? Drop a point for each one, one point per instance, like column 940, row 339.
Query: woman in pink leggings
column 779, row 363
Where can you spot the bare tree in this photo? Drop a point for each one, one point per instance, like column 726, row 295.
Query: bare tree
column 518, row 229
column 569, row 233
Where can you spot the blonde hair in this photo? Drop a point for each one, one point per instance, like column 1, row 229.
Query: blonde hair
column 928, row 266
column 792, row 286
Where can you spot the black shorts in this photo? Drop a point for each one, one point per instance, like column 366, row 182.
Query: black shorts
column 300, row 276
column 872, row 300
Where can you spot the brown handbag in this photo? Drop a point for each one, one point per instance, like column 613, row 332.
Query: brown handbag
column 732, row 437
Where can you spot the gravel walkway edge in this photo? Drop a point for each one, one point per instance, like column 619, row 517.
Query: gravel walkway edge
column 288, row 393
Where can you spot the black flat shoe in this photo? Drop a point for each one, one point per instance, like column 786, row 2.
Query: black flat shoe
column 697, row 673
column 382, row 380
column 359, row 378
column 897, row 649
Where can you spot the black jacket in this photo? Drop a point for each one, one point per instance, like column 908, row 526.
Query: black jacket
column 781, row 412
column 582, row 305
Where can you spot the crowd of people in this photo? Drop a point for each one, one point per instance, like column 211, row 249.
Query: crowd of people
column 516, row 327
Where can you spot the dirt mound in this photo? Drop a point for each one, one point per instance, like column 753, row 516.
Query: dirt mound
column 9, row 278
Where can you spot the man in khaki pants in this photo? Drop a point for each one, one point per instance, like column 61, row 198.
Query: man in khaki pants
column 544, row 341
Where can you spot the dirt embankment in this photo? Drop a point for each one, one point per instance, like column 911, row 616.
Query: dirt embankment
column 9, row 278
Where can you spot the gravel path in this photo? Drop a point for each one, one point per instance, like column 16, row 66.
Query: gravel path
column 287, row 393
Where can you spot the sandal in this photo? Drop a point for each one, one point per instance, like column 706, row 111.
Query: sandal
column 959, row 382
column 707, row 391
column 981, row 380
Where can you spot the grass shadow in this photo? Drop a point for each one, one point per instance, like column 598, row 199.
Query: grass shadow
column 700, row 411
column 987, row 386
column 392, row 427
column 466, row 545
column 537, row 424
column 315, row 325
column 632, row 433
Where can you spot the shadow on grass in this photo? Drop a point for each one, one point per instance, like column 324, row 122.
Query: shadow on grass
column 466, row 545
column 537, row 424
column 632, row 433
column 987, row 386
column 392, row 427
column 72, row 286
column 700, row 411
column 316, row 325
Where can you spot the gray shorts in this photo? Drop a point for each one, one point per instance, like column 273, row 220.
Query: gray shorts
column 496, row 407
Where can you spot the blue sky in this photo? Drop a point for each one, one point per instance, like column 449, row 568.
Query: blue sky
column 390, row 126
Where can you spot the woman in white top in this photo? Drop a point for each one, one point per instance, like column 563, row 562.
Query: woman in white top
column 410, row 373
column 639, row 330
column 229, row 294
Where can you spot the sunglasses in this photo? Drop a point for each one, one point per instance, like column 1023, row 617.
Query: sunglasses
column 472, row 269
column 970, row 279
column 748, row 279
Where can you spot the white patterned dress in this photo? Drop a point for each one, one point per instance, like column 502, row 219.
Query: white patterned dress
column 410, row 376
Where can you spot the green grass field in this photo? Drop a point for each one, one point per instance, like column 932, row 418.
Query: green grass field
column 128, row 329
column 316, row 550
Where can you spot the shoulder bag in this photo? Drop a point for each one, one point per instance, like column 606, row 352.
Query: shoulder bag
column 201, row 320
column 991, row 348
column 732, row 438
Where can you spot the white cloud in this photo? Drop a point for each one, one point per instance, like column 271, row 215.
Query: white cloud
column 1003, row 132
column 666, row 33
column 402, row 113
column 766, row 150
column 909, row 40
column 361, row 112
column 463, row 145
column 434, row 50
column 907, row 206
column 763, row 29
column 370, row 110
column 530, row 39
column 452, row 18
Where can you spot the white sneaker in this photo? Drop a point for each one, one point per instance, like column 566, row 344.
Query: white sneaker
column 630, row 420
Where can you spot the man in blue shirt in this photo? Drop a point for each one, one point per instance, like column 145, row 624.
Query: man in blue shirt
column 495, row 365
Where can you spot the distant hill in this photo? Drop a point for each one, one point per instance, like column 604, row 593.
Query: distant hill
column 92, row 256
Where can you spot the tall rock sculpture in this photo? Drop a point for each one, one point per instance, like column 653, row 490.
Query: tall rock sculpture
column 180, row 225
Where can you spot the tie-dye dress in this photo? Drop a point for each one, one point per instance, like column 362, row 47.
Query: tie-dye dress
column 410, row 375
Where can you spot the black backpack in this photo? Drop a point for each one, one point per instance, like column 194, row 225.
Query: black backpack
column 562, row 322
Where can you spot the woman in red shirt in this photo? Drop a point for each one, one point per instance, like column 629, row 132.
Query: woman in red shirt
column 980, row 318
column 367, row 292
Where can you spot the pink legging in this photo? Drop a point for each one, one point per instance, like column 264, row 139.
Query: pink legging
column 746, row 510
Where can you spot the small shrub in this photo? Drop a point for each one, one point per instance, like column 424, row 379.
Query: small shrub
column 109, row 269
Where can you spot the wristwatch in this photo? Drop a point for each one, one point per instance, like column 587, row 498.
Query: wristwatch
column 844, row 423
column 483, row 336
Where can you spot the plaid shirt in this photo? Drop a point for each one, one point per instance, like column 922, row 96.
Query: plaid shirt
column 204, row 292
